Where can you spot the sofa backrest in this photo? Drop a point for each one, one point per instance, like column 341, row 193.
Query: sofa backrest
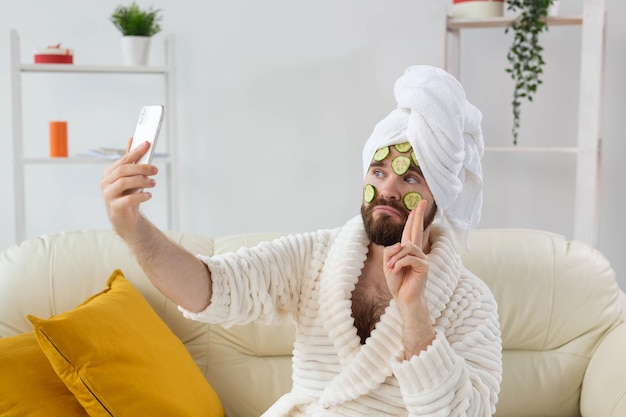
column 557, row 300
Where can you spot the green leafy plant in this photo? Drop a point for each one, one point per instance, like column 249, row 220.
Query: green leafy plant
column 525, row 55
column 133, row 21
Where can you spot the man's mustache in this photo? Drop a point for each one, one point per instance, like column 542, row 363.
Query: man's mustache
column 390, row 203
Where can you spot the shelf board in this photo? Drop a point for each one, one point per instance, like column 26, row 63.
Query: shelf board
column 529, row 149
column 503, row 22
column 102, row 69
column 73, row 160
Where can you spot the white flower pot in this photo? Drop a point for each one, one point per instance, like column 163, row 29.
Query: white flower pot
column 471, row 9
column 135, row 49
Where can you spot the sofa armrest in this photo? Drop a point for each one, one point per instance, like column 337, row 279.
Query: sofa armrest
column 604, row 385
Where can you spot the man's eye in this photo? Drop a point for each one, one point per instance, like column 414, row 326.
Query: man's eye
column 378, row 173
column 412, row 180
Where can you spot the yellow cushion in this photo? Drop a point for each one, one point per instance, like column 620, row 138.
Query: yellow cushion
column 28, row 384
column 120, row 359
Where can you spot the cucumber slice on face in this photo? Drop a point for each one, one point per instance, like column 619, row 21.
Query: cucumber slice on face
column 412, row 199
column 400, row 164
column 381, row 154
column 402, row 147
column 369, row 193
column 414, row 159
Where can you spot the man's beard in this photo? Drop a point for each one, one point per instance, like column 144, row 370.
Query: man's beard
column 386, row 230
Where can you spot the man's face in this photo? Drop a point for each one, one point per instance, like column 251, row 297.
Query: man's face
column 394, row 184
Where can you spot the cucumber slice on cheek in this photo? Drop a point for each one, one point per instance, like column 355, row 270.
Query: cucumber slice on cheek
column 369, row 193
column 412, row 199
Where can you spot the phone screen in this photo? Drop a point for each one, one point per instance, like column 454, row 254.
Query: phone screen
column 147, row 129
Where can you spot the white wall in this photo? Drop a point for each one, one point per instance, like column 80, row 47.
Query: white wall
column 275, row 100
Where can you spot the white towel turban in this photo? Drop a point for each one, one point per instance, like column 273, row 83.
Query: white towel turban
column 444, row 130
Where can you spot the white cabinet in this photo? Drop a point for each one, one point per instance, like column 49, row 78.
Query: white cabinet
column 591, row 89
column 22, row 161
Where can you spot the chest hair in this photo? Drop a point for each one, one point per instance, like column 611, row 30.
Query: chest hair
column 369, row 300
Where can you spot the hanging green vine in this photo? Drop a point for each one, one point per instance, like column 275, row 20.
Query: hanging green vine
column 525, row 55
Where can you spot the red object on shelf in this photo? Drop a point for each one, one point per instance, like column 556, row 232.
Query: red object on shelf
column 54, row 55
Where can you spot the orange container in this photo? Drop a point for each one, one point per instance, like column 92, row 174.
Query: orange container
column 58, row 139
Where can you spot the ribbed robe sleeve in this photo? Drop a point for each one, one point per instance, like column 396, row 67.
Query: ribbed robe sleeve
column 260, row 283
column 461, row 371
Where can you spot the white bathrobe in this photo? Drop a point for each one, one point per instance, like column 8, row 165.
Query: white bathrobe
column 311, row 277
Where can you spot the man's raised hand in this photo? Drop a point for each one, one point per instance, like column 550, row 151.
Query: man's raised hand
column 119, row 185
column 406, row 272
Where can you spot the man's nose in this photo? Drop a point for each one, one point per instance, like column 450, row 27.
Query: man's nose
column 389, row 189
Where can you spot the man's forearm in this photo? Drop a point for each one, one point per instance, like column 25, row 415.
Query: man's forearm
column 178, row 274
column 418, row 332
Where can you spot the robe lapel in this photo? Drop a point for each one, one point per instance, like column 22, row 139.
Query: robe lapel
column 365, row 367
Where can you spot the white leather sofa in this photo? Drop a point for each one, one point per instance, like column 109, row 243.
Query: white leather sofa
column 560, row 308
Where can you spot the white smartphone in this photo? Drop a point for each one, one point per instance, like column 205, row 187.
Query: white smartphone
column 147, row 129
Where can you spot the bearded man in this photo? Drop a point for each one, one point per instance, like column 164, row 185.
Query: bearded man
column 388, row 321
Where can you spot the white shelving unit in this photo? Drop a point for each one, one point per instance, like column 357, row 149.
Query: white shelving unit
column 591, row 83
column 21, row 161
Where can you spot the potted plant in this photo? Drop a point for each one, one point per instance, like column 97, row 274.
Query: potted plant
column 525, row 54
column 137, row 27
